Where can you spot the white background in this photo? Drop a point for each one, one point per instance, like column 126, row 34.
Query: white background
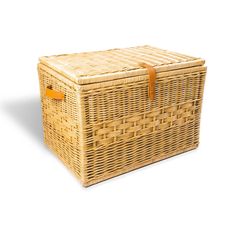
column 191, row 194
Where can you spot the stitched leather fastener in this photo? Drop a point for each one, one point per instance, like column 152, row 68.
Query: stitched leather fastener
column 152, row 80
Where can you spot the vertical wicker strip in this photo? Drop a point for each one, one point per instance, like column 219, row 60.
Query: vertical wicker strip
column 98, row 116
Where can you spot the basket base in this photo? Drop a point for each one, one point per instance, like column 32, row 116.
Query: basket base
column 132, row 168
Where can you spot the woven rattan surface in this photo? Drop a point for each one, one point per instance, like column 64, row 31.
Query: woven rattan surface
column 90, row 67
column 108, row 127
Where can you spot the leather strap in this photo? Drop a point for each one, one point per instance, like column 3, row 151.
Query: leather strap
column 54, row 94
column 152, row 80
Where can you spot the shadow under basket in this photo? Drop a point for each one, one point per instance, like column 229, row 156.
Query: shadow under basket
column 109, row 112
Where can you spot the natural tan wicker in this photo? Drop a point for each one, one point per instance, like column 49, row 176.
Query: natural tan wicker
column 105, row 114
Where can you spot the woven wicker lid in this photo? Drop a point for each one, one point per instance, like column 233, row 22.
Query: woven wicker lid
column 99, row 66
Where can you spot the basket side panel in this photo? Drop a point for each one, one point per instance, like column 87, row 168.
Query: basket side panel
column 123, row 130
column 60, row 120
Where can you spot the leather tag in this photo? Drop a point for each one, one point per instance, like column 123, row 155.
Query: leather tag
column 152, row 80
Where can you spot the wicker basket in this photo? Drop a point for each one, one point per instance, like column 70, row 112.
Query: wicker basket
column 109, row 112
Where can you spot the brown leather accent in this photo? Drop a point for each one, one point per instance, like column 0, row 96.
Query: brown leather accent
column 54, row 94
column 152, row 80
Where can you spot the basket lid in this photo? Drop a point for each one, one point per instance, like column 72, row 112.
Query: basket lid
column 100, row 66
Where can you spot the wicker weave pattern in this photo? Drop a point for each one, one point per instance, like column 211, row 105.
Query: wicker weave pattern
column 90, row 67
column 106, row 128
column 122, row 157
column 143, row 124
column 133, row 99
column 61, row 123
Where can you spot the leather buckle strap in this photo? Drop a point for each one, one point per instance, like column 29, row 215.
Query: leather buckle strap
column 152, row 80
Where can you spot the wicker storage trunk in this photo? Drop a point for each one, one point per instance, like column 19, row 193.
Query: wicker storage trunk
column 109, row 112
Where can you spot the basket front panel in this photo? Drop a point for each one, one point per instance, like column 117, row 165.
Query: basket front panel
column 122, row 157
column 124, row 130
column 60, row 121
